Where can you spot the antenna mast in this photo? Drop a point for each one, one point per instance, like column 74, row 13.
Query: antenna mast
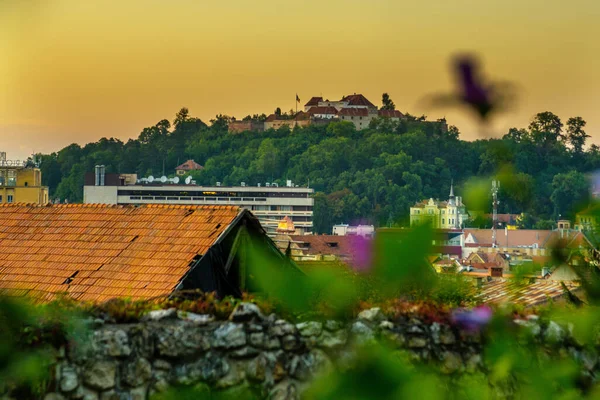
column 495, row 202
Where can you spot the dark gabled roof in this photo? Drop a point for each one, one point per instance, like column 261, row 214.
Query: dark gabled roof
column 322, row 110
column 189, row 165
column 301, row 116
column 354, row 112
column 358, row 100
column 314, row 101
column 97, row 252
column 390, row 114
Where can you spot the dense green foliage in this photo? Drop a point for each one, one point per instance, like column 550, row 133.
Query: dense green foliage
column 375, row 174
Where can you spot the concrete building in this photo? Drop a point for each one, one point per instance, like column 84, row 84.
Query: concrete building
column 359, row 230
column 21, row 182
column 269, row 203
column 449, row 214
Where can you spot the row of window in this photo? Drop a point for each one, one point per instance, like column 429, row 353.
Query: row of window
column 214, row 199
column 198, row 193
column 9, row 198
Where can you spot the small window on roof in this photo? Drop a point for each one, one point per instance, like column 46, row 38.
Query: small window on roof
column 332, row 244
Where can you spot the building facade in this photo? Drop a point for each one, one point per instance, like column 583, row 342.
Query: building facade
column 359, row 230
column 449, row 214
column 187, row 167
column 270, row 204
column 21, row 182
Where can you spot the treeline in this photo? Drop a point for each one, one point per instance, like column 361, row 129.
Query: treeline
column 372, row 175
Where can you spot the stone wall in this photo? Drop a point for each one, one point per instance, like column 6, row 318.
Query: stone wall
column 170, row 348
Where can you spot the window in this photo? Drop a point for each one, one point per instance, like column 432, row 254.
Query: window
column 26, row 183
column 0, row 199
column 443, row 221
column 9, row 198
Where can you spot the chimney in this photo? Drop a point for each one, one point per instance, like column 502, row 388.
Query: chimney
column 102, row 173
column 97, row 175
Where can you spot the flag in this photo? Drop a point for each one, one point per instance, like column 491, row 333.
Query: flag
column 297, row 98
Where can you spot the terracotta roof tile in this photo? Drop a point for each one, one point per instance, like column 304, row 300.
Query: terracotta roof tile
column 507, row 291
column 390, row 114
column 189, row 165
column 314, row 101
column 94, row 253
column 358, row 100
column 322, row 110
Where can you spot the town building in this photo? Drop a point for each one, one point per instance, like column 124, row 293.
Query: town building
column 21, row 182
column 96, row 252
column 324, row 112
column 269, row 202
column 275, row 122
column 187, row 167
column 313, row 102
column 532, row 242
column 587, row 220
column 359, row 230
column 393, row 115
column 449, row 214
column 360, row 117
column 244, row 126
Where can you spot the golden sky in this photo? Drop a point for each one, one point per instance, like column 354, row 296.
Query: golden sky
column 74, row 71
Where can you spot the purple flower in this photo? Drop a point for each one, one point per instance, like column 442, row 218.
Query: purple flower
column 472, row 320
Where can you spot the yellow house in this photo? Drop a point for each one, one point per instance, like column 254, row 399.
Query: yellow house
column 586, row 220
column 21, row 182
column 449, row 214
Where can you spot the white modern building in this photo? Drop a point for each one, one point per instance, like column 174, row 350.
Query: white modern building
column 268, row 202
column 359, row 230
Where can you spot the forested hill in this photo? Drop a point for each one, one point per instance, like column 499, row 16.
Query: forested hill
column 373, row 175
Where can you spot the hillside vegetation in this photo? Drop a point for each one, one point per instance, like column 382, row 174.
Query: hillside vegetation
column 371, row 175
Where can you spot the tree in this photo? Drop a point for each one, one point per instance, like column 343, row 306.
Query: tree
column 546, row 128
column 278, row 111
column 576, row 136
column 181, row 116
column 571, row 190
column 387, row 102
column 516, row 135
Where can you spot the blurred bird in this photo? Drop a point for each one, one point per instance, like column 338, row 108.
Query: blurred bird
column 473, row 92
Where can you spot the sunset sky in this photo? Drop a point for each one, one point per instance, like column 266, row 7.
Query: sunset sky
column 75, row 71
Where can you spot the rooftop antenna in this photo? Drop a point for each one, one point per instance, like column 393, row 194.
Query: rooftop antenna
column 495, row 202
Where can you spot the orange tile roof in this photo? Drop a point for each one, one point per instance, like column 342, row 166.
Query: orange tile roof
column 507, row 291
column 189, row 165
column 96, row 252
